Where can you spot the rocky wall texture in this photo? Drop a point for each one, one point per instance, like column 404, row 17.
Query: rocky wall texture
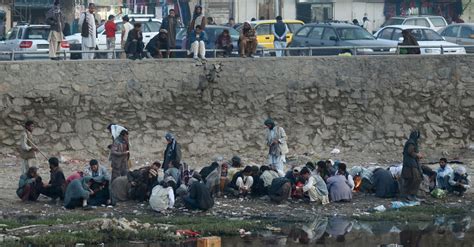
column 358, row 104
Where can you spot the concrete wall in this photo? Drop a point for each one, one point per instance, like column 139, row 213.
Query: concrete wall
column 359, row 104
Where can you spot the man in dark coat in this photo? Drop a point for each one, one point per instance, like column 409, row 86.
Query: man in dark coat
column 412, row 174
column 199, row 197
column 280, row 189
column 172, row 152
column 157, row 43
column 57, row 183
column 384, row 184
column 409, row 40
column 171, row 25
column 142, row 182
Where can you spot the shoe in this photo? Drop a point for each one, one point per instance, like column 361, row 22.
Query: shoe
column 195, row 58
column 252, row 56
column 243, row 56
column 411, row 198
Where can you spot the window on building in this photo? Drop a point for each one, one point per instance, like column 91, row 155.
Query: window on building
column 451, row 31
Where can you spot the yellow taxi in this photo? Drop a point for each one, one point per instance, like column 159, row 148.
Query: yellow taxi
column 264, row 31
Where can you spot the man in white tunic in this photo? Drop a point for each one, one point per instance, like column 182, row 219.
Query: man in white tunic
column 88, row 24
column 276, row 141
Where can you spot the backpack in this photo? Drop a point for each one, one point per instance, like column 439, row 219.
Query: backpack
column 85, row 27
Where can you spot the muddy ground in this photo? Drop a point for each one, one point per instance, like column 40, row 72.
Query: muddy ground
column 30, row 221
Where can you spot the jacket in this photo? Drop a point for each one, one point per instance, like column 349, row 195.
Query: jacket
column 202, row 37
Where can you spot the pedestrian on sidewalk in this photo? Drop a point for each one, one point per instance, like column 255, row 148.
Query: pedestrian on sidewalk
column 110, row 29
column 55, row 19
column 279, row 30
column 88, row 25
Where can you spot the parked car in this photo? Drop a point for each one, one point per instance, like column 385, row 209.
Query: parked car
column 429, row 21
column 150, row 27
column 337, row 34
column 426, row 37
column 28, row 38
column 461, row 34
column 265, row 36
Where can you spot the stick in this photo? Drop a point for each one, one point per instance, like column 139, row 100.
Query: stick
column 39, row 151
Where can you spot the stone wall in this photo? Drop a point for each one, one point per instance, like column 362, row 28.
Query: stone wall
column 358, row 104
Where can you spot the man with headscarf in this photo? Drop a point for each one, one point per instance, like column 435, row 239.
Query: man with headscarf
column 412, row 174
column 119, row 155
column 88, row 25
column 172, row 153
column 55, row 19
column 198, row 19
column 248, row 41
column 278, row 148
column 409, row 40
column 460, row 182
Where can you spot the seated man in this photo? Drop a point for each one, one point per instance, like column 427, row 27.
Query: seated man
column 198, row 40
column 199, row 197
column 340, row 186
column 96, row 170
column 241, row 183
column 29, row 185
column 267, row 176
column 142, row 182
column 443, row 174
column 384, row 183
column 279, row 190
column 224, row 42
column 460, row 181
column 157, row 43
column 78, row 192
column 248, row 41
column 314, row 186
column 57, row 183
column 134, row 45
column 162, row 196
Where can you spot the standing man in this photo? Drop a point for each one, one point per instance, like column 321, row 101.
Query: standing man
column 55, row 20
column 172, row 152
column 110, row 29
column 27, row 148
column 411, row 171
column 278, row 148
column 171, row 24
column 119, row 155
column 279, row 31
column 127, row 27
column 367, row 25
column 88, row 32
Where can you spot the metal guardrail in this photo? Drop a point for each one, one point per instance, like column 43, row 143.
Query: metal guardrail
column 354, row 50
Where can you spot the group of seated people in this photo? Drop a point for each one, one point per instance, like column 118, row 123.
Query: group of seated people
column 325, row 182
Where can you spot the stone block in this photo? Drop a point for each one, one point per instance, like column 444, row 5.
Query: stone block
column 65, row 128
column 83, row 126
column 75, row 143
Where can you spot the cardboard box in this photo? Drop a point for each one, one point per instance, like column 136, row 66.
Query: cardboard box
column 209, row 242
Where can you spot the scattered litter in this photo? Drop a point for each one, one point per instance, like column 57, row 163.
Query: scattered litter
column 187, row 233
column 335, row 151
column 438, row 193
column 242, row 232
column 399, row 204
column 380, row 208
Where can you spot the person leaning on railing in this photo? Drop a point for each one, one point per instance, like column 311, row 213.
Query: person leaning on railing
column 248, row 41
column 409, row 40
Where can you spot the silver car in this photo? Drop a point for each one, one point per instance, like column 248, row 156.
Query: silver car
column 461, row 34
column 31, row 38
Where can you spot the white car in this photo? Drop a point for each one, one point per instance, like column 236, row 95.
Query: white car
column 150, row 27
column 27, row 37
column 430, row 21
column 430, row 41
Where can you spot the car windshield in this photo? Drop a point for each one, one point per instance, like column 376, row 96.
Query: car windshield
column 393, row 21
column 37, row 33
column 426, row 35
column 438, row 22
column 354, row 33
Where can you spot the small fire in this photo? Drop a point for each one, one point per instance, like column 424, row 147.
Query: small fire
column 357, row 183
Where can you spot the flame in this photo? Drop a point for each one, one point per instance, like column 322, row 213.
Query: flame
column 357, row 183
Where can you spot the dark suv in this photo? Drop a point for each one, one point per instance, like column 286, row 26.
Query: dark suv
column 337, row 34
